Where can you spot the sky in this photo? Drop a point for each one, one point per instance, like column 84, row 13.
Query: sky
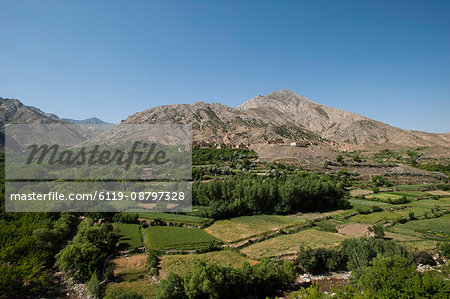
column 387, row 60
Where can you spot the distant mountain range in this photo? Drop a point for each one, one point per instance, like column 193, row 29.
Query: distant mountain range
column 87, row 121
column 282, row 114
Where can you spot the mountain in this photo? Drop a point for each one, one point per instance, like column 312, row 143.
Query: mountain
column 14, row 111
column 88, row 121
column 51, row 115
column 287, row 115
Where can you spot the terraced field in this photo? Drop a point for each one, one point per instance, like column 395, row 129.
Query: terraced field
column 289, row 244
column 179, row 264
column 240, row 228
column 129, row 267
column 387, row 216
column 435, row 228
column 130, row 236
column 180, row 238
column 145, row 288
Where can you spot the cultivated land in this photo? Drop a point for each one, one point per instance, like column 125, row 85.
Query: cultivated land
column 129, row 265
column 177, row 238
column 179, row 264
column 241, row 228
column 130, row 236
column 145, row 288
column 289, row 244
column 436, row 228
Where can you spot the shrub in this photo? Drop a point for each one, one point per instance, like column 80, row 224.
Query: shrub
column 320, row 260
column 423, row 257
column 377, row 230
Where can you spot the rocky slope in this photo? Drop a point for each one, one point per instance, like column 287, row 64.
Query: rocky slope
column 287, row 115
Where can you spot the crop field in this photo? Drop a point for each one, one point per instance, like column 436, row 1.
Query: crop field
column 386, row 216
column 179, row 264
column 289, row 244
column 144, row 288
column 364, row 203
column 240, row 228
column 129, row 267
column 176, row 218
column 172, row 237
column 435, row 228
column 130, row 236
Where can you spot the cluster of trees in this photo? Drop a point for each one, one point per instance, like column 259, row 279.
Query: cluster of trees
column 380, row 269
column 354, row 255
column 251, row 194
column 388, row 277
column 205, row 156
column 85, row 255
column 29, row 242
column 213, row 281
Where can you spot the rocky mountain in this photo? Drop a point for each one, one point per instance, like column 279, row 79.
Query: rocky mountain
column 287, row 115
column 13, row 111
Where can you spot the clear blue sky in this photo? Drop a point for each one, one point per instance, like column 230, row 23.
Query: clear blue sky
column 388, row 60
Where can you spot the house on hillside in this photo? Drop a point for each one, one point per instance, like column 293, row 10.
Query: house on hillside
column 300, row 144
column 200, row 144
column 275, row 141
column 240, row 145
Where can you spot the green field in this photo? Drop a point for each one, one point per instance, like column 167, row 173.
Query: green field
column 240, row 228
column 130, row 236
column 144, row 288
column 180, row 238
column 179, row 264
column 290, row 244
column 387, row 216
column 176, row 218
column 435, row 228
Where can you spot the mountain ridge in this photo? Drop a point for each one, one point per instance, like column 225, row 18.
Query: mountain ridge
column 287, row 115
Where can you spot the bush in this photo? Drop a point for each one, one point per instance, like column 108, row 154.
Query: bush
column 171, row 288
column 320, row 260
column 152, row 259
column 424, row 258
column 377, row 230
column 327, row 226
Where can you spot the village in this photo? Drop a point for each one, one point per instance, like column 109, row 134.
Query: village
column 240, row 145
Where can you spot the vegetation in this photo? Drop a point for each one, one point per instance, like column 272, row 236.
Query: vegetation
column 86, row 253
column 180, row 238
column 204, row 156
column 250, row 194
column 29, row 242
column 288, row 244
column 244, row 227
column 213, row 281
column 130, row 236
column 179, row 264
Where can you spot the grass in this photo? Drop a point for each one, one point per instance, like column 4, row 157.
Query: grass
column 176, row 218
column 388, row 216
column 435, row 228
column 181, row 238
column 240, row 228
column 179, row 264
column 289, row 244
column 129, row 264
column 130, row 236
column 145, row 288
